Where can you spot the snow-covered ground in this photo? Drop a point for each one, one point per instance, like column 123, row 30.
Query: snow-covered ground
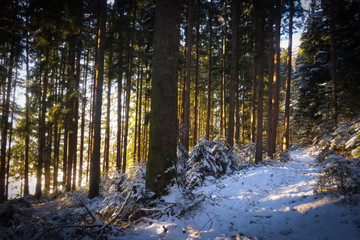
column 273, row 201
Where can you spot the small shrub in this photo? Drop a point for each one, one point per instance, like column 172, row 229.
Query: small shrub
column 209, row 158
column 340, row 175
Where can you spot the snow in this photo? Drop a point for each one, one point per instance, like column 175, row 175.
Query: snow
column 270, row 201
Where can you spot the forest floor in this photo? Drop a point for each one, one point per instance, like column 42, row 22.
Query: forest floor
column 274, row 200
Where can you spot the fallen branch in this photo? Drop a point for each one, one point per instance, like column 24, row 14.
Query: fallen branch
column 116, row 216
column 93, row 216
column 191, row 206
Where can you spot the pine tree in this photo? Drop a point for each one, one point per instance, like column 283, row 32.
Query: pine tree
column 99, row 77
column 163, row 121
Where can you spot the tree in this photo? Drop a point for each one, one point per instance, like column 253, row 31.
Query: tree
column 163, row 120
column 209, row 89
column 260, row 22
column 286, row 137
column 276, row 82
column 233, row 80
column 186, row 110
column 98, row 80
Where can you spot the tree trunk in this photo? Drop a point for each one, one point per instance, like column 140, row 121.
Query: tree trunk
column 276, row 80
column 42, row 126
column 119, row 129
column 140, row 116
column 128, row 88
column 286, row 138
column 27, row 122
column 82, row 126
column 163, row 138
column 98, row 81
column 195, row 133
column 188, row 45
column 208, row 116
column 5, row 123
column 334, row 107
column 137, row 115
column 107, row 128
column 271, row 77
column 10, row 139
column 260, row 19
column 234, row 77
column 253, row 91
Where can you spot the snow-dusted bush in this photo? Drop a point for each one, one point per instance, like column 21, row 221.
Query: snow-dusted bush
column 209, row 158
column 341, row 175
column 246, row 153
column 117, row 185
column 344, row 139
column 285, row 156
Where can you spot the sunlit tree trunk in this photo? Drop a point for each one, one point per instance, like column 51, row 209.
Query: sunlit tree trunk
column 209, row 94
column 271, row 77
column 188, row 45
column 82, row 126
column 334, row 105
column 195, row 133
column 260, row 21
column 276, row 80
column 286, row 137
column 128, row 89
column 234, row 77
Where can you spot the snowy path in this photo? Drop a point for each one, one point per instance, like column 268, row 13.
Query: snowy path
column 267, row 202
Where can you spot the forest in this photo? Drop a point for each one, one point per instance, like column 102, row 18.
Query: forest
column 157, row 119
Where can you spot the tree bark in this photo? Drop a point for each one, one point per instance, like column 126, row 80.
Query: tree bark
column 334, row 106
column 286, row 138
column 99, row 77
column 276, row 80
column 163, row 121
column 195, row 133
column 42, row 126
column 188, row 46
column 208, row 113
column 271, row 77
column 260, row 19
column 5, row 123
column 234, row 77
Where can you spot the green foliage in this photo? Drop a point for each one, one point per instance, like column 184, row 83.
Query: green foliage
column 312, row 76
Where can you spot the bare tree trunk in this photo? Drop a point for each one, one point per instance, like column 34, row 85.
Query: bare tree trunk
column 195, row 135
column 128, row 88
column 234, row 77
column 107, row 128
column 276, row 80
column 27, row 121
column 119, row 129
column 163, row 135
column 42, row 126
column 5, row 122
column 334, row 106
column 186, row 110
column 260, row 33
column 137, row 116
column 10, row 139
column 253, row 93
column 209, row 83
column 99, row 77
column 286, row 138
column 270, row 84
column 82, row 127
column 140, row 116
